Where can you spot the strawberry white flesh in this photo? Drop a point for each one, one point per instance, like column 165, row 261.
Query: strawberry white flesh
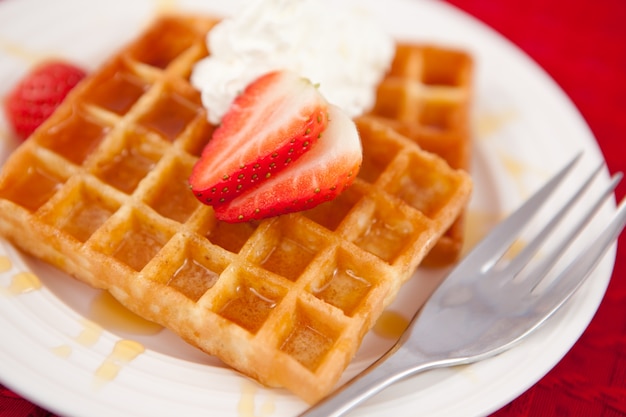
column 271, row 124
column 318, row 176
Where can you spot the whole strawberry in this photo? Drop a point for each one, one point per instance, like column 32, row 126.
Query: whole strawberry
column 38, row 94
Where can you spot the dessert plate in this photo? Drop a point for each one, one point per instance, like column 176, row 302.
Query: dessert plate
column 74, row 351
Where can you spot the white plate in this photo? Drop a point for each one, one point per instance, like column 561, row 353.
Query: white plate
column 57, row 337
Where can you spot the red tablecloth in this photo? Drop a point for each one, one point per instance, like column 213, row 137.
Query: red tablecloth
column 582, row 45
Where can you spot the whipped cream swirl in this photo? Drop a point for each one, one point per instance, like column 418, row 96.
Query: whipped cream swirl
column 343, row 50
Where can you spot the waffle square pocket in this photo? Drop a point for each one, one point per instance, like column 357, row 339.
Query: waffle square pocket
column 100, row 191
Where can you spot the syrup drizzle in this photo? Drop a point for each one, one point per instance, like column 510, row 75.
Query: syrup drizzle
column 123, row 353
column 247, row 404
column 113, row 316
column 88, row 336
column 5, row 264
column 390, row 325
column 24, row 282
column 107, row 310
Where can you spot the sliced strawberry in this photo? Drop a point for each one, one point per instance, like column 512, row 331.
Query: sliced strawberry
column 318, row 176
column 270, row 125
column 38, row 94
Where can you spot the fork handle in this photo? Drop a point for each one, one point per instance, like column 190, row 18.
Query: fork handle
column 387, row 370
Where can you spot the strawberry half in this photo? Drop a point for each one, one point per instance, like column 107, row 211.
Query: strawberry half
column 318, row 176
column 270, row 125
column 38, row 94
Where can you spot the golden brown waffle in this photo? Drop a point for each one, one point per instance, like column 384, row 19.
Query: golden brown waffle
column 100, row 191
column 426, row 96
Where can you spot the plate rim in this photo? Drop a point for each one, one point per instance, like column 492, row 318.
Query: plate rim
column 22, row 387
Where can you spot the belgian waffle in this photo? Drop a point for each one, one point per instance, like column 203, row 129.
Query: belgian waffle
column 100, row 191
column 426, row 96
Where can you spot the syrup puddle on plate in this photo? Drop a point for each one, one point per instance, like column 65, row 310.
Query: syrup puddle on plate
column 488, row 124
column 105, row 313
column 5, row 264
column 247, row 403
column 112, row 315
column 123, row 353
column 16, row 50
column 22, row 282
column 390, row 325
column 88, row 336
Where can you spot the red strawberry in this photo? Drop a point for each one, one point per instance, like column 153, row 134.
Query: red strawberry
column 270, row 125
column 38, row 94
column 318, row 176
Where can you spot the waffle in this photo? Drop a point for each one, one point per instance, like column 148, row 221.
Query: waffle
column 426, row 96
column 100, row 191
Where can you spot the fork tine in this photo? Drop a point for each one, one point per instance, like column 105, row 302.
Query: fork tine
column 523, row 258
column 555, row 254
column 575, row 274
column 486, row 253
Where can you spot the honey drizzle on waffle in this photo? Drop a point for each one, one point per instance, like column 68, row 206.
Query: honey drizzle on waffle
column 100, row 191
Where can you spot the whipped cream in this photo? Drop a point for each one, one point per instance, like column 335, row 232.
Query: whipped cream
column 341, row 49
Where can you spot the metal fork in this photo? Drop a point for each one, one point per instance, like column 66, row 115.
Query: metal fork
column 484, row 307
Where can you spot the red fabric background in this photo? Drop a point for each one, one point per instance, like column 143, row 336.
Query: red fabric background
column 582, row 45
